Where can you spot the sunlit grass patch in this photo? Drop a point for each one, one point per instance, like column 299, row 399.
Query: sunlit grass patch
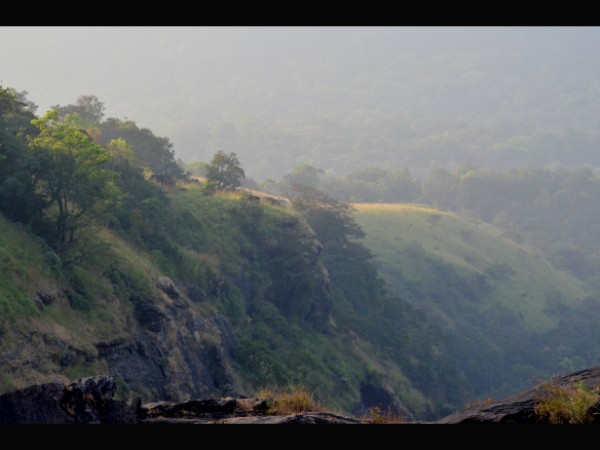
column 567, row 404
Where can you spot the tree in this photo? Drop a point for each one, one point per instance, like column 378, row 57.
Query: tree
column 332, row 221
column 225, row 170
column 72, row 178
column 303, row 174
column 151, row 151
column 88, row 107
column 197, row 168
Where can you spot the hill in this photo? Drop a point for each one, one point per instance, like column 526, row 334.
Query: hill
column 507, row 315
column 241, row 302
column 116, row 261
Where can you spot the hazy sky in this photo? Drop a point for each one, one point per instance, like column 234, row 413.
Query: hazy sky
column 176, row 79
column 57, row 64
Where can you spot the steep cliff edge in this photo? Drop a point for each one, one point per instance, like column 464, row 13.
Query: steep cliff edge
column 118, row 312
column 231, row 296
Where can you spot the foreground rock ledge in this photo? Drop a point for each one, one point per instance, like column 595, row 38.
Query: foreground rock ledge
column 90, row 401
column 520, row 408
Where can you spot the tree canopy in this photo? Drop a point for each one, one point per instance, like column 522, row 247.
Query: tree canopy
column 225, row 170
column 89, row 108
column 72, row 177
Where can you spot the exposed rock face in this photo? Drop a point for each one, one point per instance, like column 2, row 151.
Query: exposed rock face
column 520, row 408
column 174, row 362
column 169, row 346
column 177, row 353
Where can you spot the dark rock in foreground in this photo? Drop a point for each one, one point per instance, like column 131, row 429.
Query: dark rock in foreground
column 309, row 418
column 87, row 400
column 90, row 400
column 231, row 411
column 520, row 408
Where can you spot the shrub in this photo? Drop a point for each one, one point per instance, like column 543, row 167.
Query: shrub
column 567, row 404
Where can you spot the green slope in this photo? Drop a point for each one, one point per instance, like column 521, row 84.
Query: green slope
column 223, row 304
column 497, row 301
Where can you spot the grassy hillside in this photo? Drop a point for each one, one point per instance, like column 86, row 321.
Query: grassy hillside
column 230, row 298
column 500, row 304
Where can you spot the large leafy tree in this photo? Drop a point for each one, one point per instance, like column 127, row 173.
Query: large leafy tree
column 225, row 170
column 72, row 177
column 330, row 218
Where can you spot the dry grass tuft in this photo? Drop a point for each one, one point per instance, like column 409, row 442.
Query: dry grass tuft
column 567, row 404
column 379, row 417
column 297, row 400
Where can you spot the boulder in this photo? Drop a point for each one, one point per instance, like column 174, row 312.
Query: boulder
column 87, row 400
column 41, row 403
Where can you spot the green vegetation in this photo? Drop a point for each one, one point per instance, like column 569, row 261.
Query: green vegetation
column 569, row 404
column 235, row 259
column 135, row 270
column 496, row 301
column 554, row 210
column 118, row 262
column 74, row 184
column 225, row 171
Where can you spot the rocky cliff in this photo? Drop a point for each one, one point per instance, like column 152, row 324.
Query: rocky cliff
column 217, row 296
column 163, row 337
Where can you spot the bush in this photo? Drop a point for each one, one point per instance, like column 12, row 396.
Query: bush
column 567, row 404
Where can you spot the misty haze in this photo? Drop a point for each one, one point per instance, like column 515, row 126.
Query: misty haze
column 398, row 224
